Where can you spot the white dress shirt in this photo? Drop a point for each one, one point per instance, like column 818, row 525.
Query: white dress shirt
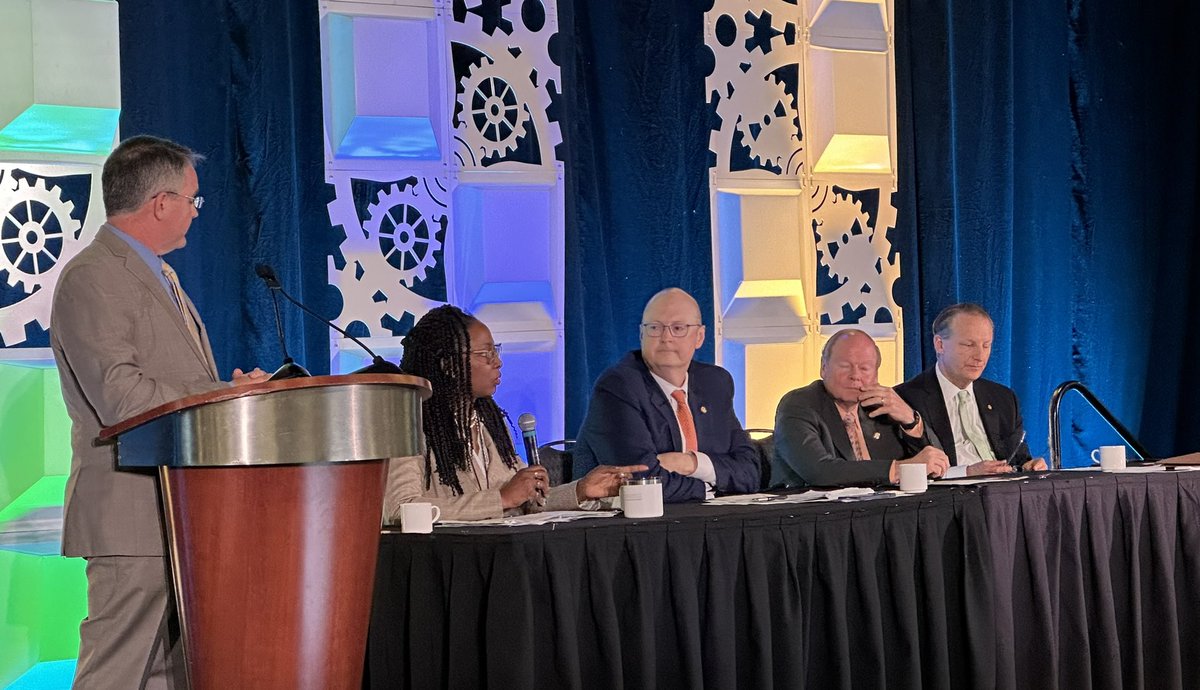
column 964, row 450
column 704, row 471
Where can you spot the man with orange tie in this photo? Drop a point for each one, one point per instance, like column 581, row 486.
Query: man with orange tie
column 660, row 408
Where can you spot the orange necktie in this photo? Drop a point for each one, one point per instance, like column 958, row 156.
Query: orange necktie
column 854, row 430
column 686, row 425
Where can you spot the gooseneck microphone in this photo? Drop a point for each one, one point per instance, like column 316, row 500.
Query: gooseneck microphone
column 528, row 426
column 289, row 369
column 378, row 364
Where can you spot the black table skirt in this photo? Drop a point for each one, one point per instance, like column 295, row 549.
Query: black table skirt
column 1076, row 581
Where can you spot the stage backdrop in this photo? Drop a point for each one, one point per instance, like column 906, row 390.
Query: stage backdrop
column 1047, row 170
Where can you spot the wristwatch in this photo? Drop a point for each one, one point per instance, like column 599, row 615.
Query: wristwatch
column 913, row 424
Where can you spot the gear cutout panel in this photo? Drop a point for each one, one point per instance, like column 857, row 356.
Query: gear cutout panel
column 803, row 144
column 476, row 220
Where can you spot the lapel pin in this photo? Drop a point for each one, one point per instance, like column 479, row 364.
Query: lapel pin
column 989, row 407
column 703, row 410
column 875, row 436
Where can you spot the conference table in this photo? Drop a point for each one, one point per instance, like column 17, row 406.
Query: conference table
column 1063, row 579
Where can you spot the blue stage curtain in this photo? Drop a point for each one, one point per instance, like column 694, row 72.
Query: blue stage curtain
column 1048, row 171
column 240, row 82
column 1048, row 158
column 635, row 132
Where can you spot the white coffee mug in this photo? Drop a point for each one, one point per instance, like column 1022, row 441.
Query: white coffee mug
column 642, row 498
column 418, row 518
column 914, row 477
column 1111, row 457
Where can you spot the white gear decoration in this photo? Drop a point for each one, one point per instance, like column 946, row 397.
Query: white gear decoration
column 779, row 136
column 748, row 92
column 367, row 272
column 854, row 265
column 400, row 228
column 491, row 134
column 493, row 116
column 24, row 235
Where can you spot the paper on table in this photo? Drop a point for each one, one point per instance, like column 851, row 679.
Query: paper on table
column 803, row 497
column 971, row 481
column 742, row 499
column 546, row 518
column 1132, row 469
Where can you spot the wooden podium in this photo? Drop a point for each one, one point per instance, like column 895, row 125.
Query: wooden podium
column 272, row 498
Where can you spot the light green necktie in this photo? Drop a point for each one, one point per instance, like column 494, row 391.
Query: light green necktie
column 980, row 443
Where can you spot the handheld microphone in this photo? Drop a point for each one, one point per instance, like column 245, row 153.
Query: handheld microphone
column 378, row 364
column 528, row 426
column 289, row 369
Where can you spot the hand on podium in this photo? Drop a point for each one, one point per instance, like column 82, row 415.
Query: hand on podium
column 245, row 378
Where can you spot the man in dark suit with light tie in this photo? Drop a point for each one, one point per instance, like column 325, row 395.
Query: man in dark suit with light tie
column 845, row 428
column 660, row 408
column 977, row 421
column 126, row 338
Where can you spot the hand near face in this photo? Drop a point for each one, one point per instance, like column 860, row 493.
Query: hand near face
column 881, row 400
column 604, row 481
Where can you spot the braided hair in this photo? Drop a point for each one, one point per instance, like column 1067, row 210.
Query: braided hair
column 438, row 349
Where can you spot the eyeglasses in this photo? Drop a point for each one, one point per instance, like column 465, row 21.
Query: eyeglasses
column 197, row 200
column 678, row 330
column 489, row 354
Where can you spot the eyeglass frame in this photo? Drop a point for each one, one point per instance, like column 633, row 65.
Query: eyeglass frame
column 649, row 328
column 197, row 201
column 489, row 355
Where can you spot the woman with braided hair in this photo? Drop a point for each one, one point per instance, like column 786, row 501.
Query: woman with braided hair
column 470, row 469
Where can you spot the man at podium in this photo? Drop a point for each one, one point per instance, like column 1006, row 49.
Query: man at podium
column 126, row 338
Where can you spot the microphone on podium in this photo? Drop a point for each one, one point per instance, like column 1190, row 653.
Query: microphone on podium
column 378, row 364
column 528, row 426
column 289, row 369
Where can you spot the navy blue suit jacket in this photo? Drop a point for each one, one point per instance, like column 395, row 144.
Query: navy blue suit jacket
column 629, row 421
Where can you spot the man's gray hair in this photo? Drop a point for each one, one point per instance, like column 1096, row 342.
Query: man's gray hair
column 941, row 324
column 140, row 167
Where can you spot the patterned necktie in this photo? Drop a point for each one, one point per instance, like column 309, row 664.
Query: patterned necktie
column 180, row 301
column 969, row 430
column 687, row 426
column 854, row 430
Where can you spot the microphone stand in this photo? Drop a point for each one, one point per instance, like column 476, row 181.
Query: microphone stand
column 378, row 364
column 289, row 370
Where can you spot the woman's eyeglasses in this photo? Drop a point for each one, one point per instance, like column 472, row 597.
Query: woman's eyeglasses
column 489, row 354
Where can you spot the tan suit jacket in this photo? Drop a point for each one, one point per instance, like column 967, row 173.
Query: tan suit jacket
column 406, row 484
column 122, row 348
